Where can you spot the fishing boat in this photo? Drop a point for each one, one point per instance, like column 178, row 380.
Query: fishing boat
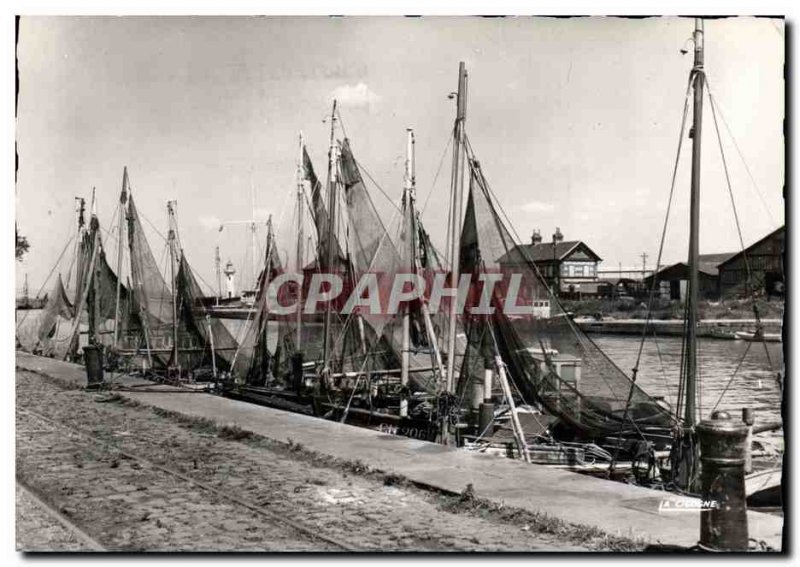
column 360, row 367
column 163, row 330
column 505, row 371
column 80, row 307
column 146, row 326
column 581, row 401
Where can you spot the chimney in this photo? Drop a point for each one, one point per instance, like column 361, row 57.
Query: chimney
column 557, row 236
column 536, row 237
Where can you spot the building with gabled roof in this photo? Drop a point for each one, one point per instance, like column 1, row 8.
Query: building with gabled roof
column 673, row 279
column 764, row 259
column 568, row 266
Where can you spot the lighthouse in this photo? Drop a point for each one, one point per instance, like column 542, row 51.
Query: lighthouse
column 229, row 273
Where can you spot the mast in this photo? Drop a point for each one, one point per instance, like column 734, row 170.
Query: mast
column 331, row 230
column 408, row 197
column 91, row 297
column 123, row 198
column 254, row 236
column 217, row 264
column 265, row 320
column 80, row 207
column 171, row 240
column 694, row 230
column 300, row 238
column 455, row 228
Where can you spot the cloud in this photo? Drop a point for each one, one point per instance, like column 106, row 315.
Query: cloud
column 359, row 95
column 209, row 222
column 538, row 207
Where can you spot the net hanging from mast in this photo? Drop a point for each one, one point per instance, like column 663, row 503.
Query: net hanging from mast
column 550, row 361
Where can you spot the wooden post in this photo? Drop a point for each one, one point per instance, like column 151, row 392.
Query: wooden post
column 519, row 435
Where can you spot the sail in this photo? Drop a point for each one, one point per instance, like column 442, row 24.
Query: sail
column 105, row 290
column 197, row 329
column 51, row 337
column 549, row 360
column 152, row 298
column 252, row 359
column 319, row 212
column 374, row 252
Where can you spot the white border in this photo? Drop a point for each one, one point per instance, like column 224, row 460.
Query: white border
column 300, row 7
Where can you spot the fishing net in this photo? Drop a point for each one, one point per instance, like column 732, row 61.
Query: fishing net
column 549, row 360
column 253, row 358
column 197, row 330
column 51, row 336
column 319, row 212
column 105, row 300
column 152, row 298
column 373, row 252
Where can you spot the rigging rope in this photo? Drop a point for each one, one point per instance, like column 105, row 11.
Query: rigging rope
column 651, row 298
column 661, row 364
column 741, row 155
column 361, row 166
column 730, row 381
column 749, row 279
column 438, row 170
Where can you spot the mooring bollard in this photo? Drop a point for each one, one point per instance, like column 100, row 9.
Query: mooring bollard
column 749, row 418
column 723, row 519
column 93, row 359
column 297, row 371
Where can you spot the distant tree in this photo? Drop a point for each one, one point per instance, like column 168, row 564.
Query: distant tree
column 22, row 244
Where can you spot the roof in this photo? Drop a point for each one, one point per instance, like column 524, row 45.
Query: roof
column 543, row 251
column 732, row 257
column 708, row 264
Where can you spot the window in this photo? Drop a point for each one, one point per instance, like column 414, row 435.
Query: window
column 578, row 271
column 564, row 270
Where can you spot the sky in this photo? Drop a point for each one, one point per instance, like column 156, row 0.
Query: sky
column 575, row 122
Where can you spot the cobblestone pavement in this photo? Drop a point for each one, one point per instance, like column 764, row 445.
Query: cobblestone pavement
column 133, row 504
column 38, row 529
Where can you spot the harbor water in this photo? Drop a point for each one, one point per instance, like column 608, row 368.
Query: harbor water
column 721, row 386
